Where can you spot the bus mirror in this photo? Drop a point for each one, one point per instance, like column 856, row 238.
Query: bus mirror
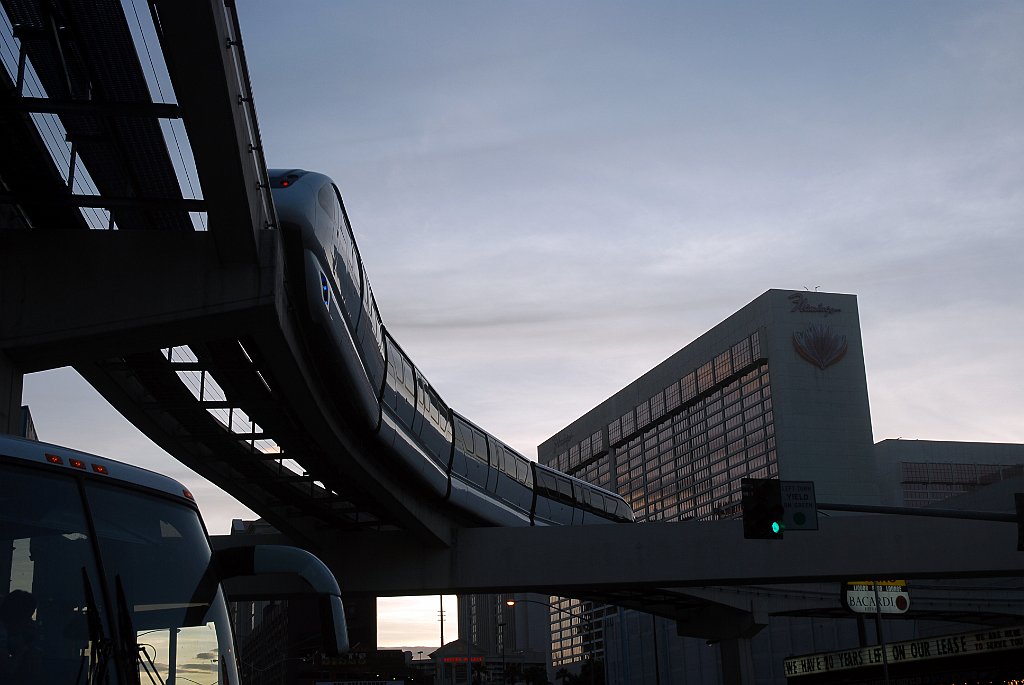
column 244, row 563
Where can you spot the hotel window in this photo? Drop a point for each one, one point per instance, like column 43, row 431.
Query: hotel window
column 688, row 387
column 658, row 406
column 723, row 367
column 628, row 424
column 672, row 397
column 643, row 414
column 615, row 431
column 741, row 354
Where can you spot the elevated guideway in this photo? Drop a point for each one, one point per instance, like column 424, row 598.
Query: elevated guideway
column 174, row 305
column 704, row 575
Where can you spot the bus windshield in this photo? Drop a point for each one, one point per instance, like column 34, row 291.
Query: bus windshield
column 108, row 584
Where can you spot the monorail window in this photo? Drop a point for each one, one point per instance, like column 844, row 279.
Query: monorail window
column 480, row 445
column 515, row 466
column 410, row 377
column 564, row 488
column 461, row 436
column 524, row 472
column 546, row 481
column 370, row 303
column 328, row 200
column 584, row 495
column 471, row 441
column 347, row 251
column 393, row 357
column 438, row 409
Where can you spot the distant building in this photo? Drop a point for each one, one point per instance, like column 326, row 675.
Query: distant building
column 778, row 389
column 513, row 638
column 919, row 473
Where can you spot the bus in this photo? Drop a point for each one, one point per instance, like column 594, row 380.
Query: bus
column 107, row 576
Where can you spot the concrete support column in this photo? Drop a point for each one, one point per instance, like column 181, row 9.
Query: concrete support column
column 737, row 661
column 11, row 385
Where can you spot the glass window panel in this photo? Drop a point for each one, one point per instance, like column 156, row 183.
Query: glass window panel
column 52, row 572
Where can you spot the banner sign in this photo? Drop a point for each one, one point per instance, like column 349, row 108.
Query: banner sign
column 977, row 642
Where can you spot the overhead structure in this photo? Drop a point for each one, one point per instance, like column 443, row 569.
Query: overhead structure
column 142, row 127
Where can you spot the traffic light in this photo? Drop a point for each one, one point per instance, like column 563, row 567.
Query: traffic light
column 762, row 509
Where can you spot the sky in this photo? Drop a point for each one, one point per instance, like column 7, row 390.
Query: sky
column 552, row 197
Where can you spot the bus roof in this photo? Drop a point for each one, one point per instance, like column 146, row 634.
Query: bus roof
column 65, row 458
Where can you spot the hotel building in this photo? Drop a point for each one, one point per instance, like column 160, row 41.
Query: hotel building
column 777, row 390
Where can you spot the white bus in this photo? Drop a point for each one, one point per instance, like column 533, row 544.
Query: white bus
column 107, row 576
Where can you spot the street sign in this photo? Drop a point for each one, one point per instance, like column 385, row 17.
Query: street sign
column 892, row 596
column 801, row 511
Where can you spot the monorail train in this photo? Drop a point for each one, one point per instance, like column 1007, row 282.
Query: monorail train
column 453, row 457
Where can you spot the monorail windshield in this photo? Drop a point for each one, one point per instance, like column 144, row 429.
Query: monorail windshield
column 104, row 582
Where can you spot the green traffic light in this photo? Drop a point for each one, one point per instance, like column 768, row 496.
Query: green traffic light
column 776, row 527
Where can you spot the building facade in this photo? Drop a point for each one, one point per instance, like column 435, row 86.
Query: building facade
column 920, row 473
column 777, row 390
column 511, row 630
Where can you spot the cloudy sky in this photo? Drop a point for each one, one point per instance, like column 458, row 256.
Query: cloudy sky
column 552, row 197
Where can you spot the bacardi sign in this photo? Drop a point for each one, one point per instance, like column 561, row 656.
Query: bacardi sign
column 877, row 597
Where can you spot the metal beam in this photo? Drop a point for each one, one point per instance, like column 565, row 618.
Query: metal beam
column 27, row 171
column 106, row 201
column 204, row 64
column 161, row 110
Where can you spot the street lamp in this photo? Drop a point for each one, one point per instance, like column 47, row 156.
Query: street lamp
column 582, row 617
